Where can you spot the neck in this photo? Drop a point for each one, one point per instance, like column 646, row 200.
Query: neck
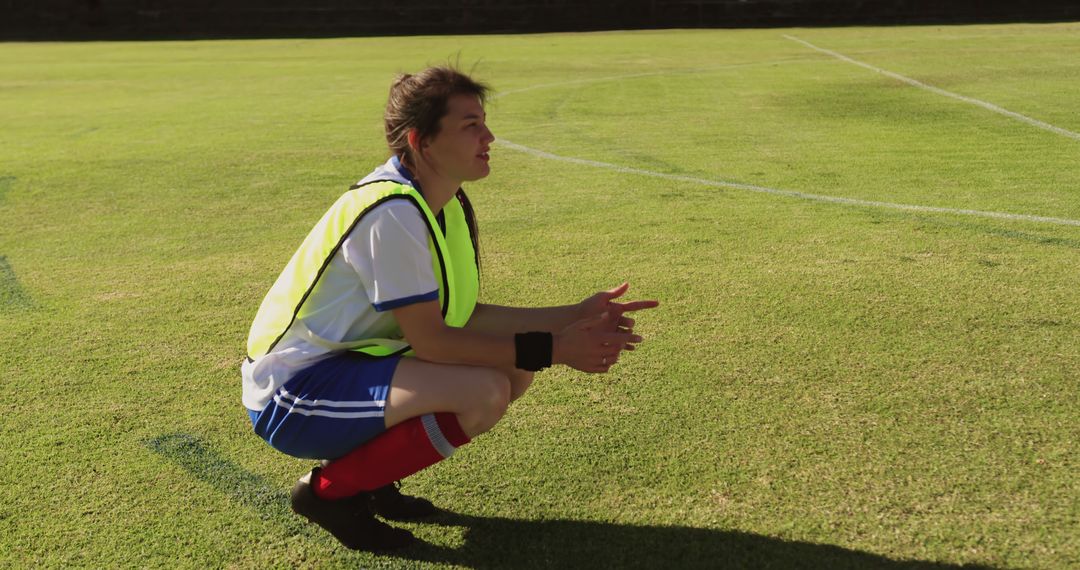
column 437, row 190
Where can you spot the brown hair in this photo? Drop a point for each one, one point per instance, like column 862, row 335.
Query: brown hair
column 420, row 101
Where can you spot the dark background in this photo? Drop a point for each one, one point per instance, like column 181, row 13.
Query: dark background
column 152, row 19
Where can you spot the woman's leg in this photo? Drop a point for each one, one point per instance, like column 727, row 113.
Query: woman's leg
column 477, row 395
column 520, row 380
column 431, row 410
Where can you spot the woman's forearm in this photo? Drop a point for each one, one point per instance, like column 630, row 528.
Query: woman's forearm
column 583, row 346
column 510, row 320
column 466, row 346
column 590, row 345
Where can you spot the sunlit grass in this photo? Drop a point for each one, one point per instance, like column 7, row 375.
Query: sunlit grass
column 824, row 385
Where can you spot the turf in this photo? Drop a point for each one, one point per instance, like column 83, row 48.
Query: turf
column 825, row 385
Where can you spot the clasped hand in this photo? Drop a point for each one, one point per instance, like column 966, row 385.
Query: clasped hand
column 603, row 331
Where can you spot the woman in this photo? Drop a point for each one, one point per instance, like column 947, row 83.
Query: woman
column 370, row 350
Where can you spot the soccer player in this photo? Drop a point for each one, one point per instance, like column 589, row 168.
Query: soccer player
column 370, row 351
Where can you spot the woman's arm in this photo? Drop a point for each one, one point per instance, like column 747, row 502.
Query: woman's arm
column 509, row 320
column 589, row 345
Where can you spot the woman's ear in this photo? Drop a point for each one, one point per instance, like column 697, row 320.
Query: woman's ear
column 414, row 139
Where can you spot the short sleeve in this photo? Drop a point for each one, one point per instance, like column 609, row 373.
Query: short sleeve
column 389, row 251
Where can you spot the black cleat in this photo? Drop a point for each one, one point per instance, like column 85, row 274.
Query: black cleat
column 351, row 520
column 388, row 502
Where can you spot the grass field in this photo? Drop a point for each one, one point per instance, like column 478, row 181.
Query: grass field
column 825, row 385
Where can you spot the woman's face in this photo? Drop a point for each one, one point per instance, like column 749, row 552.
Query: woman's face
column 460, row 150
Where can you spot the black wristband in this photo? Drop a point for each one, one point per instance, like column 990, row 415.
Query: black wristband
column 532, row 350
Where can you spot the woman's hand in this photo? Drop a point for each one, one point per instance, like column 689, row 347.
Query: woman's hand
column 604, row 302
column 591, row 345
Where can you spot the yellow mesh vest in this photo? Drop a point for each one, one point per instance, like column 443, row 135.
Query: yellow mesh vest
column 453, row 260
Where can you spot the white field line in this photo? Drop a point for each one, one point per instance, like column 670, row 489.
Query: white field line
column 939, row 91
column 787, row 193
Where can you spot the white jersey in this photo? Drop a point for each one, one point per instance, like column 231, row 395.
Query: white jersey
column 383, row 263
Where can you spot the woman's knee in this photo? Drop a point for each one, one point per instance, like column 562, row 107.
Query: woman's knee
column 520, row 380
column 496, row 394
column 493, row 392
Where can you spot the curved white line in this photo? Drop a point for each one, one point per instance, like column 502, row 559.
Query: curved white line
column 763, row 189
column 988, row 106
column 787, row 193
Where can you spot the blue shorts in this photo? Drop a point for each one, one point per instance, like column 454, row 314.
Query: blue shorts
column 329, row 408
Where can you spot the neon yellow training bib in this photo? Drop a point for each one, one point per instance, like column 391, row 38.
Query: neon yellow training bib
column 453, row 258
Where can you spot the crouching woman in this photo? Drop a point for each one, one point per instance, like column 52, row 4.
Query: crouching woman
column 370, row 351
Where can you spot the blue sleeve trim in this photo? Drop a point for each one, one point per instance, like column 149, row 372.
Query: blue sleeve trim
column 395, row 303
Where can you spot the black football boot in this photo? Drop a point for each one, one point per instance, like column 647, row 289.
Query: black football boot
column 388, row 502
column 351, row 520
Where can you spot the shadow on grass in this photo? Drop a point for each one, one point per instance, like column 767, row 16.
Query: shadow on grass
column 206, row 465
column 492, row 542
column 12, row 295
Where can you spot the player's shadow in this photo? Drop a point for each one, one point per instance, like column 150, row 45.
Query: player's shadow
column 493, row 542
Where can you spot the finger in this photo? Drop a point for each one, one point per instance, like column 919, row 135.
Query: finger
column 638, row 305
column 617, row 291
column 611, row 322
column 607, row 351
column 626, row 322
column 619, row 339
column 619, row 345
column 629, row 347
column 614, row 312
column 610, row 353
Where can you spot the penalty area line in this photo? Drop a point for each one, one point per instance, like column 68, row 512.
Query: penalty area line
column 916, row 83
column 786, row 193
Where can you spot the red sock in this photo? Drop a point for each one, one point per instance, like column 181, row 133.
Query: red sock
column 396, row 453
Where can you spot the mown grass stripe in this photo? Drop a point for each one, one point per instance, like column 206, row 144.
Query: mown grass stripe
column 664, row 73
column 916, row 83
column 6, row 182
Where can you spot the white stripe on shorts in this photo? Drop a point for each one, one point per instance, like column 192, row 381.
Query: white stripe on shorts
column 330, row 403
column 348, row 415
column 294, row 406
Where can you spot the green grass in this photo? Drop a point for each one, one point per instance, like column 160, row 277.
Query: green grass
column 823, row 386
